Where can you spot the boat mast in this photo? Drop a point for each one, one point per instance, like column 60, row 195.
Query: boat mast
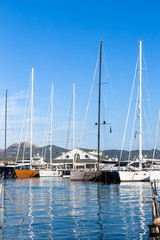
column 51, row 126
column 5, row 156
column 99, row 104
column 31, row 118
column 140, row 104
column 73, row 124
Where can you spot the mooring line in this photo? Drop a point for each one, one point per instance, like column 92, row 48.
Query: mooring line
column 12, row 201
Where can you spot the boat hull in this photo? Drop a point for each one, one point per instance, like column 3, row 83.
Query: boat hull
column 135, row 176
column 66, row 173
column 154, row 175
column 80, row 175
column 26, row 173
column 50, row 173
column 77, row 175
column 7, row 172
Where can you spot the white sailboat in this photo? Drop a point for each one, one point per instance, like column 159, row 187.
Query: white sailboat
column 66, row 172
column 136, row 174
column 49, row 172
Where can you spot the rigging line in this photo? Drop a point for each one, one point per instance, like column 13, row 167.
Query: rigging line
column 24, row 147
column 115, row 109
column 47, row 131
column 69, row 125
column 128, row 111
column 37, row 121
column 147, row 81
column 147, row 125
column 11, row 120
column 105, row 64
column 46, row 127
column 133, row 126
column 148, row 95
column 105, row 136
column 2, row 116
column 88, row 102
column 156, row 137
column 104, row 105
column 25, row 139
column 23, row 120
column 109, row 78
column 147, row 114
column 55, row 104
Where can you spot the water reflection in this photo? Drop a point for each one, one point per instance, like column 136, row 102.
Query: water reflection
column 55, row 208
column 50, row 211
column 100, row 232
column 132, row 194
column 31, row 217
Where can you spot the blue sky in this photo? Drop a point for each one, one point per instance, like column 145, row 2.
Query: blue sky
column 60, row 39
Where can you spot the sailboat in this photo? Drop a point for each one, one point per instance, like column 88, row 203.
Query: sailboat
column 87, row 175
column 134, row 173
column 49, row 172
column 6, row 170
column 30, row 172
column 66, row 172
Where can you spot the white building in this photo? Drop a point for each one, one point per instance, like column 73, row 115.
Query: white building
column 83, row 158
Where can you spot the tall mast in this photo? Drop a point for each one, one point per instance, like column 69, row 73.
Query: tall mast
column 6, row 127
column 51, row 126
column 99, row 103
column 31, row 118
column 73, row 123
column 140, row 104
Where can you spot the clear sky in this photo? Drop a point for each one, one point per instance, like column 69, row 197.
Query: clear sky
column 60, row 39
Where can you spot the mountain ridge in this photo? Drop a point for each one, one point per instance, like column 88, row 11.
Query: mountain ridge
column 56, row 151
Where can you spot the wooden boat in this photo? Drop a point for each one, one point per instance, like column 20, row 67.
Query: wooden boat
column 26, row 173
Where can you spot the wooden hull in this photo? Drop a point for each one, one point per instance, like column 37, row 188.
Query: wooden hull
column 26, row 173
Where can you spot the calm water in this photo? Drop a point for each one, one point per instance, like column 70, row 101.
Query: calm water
column 55, row 208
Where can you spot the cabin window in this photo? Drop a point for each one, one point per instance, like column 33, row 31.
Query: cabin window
column 86, row 156
column 89, row 166
column 67, row 156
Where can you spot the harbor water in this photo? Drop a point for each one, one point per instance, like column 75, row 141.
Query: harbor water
column 56, row 208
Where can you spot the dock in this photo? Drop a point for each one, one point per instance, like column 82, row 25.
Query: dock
column 154, row 225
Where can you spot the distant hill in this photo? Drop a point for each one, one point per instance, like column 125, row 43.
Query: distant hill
column 12, row 151
column 56, row 152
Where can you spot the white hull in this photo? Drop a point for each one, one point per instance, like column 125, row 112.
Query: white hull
column 154, row 175
column 66, row 176
column 137, row 176
column 50, row 173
